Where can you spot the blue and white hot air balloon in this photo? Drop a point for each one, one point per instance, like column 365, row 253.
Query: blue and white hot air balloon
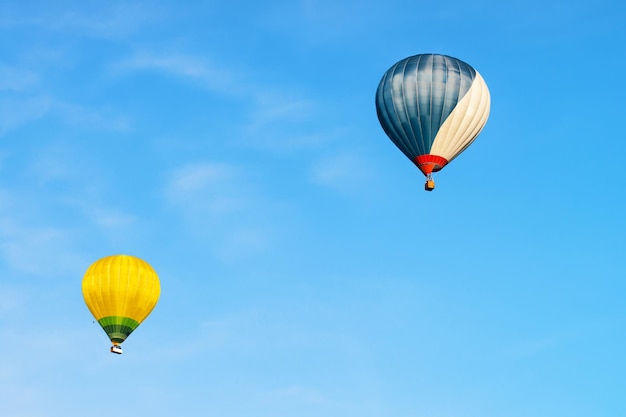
column 432, row 107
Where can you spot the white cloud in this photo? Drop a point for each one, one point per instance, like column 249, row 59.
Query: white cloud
column 218, row 198
column 11, row 299
column 283, row 123
column 41, row 345
column 110, row 218
column 215, row 187
column 275, row 108
column 105, row 219
column 253, row 239
column 225, row 334
column 532, row 347
column 275, row 117
column 195, row 177
column 540, row 345
column 202, row 71
column 343, row 171
column 43, row 251
column 17, row 112
column 320, row 21
column 17, row 79
column 100, row 119
column 110, row 21
column 297, row 394
column 86, row 188
column 30, row 240
column 28, row 248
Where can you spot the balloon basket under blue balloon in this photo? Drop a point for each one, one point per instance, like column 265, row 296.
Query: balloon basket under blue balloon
column 430, row 183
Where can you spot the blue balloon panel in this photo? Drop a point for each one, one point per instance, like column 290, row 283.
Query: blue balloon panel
column 416, row 96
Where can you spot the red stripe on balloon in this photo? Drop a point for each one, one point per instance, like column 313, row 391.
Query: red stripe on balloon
column 430, row 163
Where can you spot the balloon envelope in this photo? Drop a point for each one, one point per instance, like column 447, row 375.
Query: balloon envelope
column 432, row 107
column 120, row 291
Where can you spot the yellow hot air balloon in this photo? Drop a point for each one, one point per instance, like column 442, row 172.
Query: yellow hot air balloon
column 120, row 291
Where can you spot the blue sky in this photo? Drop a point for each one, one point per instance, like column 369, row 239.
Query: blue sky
column 304, row 271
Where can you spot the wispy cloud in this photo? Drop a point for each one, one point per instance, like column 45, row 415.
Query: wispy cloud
column 543, row 344
column 297, row 394
column 533, row 347
column 198, row 70
column 106, row 221
column 109, row 21
column 12, row 299
column 320, row 21
column 36, row 250
column 224, row 334
column 40, row 347
column 17, row 112
column 343, row 171
column 285, row 123
column 220, row 198
column 87, row 117
column 112, row 21
column 274, row 108
column 55, row 201
column 17, row 79
column 275, row 117
column 215, row 188
column 112, row 218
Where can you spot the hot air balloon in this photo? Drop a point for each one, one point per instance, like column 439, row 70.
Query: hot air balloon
column 120, row 291
column 432, row 107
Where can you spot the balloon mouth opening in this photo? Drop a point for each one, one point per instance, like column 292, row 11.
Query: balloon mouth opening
column 430, row 163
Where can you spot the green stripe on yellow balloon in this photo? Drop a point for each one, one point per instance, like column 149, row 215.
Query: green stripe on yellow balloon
column 118, row 328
